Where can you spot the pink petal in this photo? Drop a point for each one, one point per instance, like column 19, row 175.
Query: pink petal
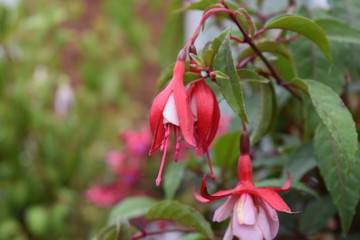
column 224, row 211
column 245, row 210
column 229, row 234
column 245, row 232
column 264, row 225
column 272, row 218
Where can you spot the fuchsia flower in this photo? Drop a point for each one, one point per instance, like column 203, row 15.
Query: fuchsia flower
column 253, row 209
column 170, row 111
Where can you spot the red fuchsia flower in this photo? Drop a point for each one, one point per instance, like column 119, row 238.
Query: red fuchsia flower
column 252, row 209
column 206, row 113
column 170, row 111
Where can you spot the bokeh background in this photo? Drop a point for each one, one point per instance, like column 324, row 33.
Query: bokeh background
column 74, row 76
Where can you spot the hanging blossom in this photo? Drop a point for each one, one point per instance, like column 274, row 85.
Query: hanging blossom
column 206, row 112
column 170, row 111
column 252, row 209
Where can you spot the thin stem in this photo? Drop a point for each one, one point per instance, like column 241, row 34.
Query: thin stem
column 249, row 41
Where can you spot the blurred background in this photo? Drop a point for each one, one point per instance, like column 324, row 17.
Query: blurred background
column 74, row 76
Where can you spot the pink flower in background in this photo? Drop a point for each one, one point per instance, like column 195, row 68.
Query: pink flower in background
column 223, row 124
column 116, row 161
column 137, row 143
column 252, row 209
column 104, row 196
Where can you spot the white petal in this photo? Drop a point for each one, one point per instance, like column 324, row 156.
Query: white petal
column 245, row 210
column 224, row 211
column 263, row 224
column 169, row 113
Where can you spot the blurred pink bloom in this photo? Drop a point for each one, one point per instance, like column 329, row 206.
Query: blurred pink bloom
column 104, row 195
column 137, row 143
column 115, row 161
column 223, row 124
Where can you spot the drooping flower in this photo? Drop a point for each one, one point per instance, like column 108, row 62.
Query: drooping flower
column 252, row 209
column 170, row 111
column 206, row 113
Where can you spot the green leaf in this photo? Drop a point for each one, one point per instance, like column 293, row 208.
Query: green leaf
column 251, row 76
column 269, row 46
column 226, row 150
column 335, row 116
column 247, row 19
column 172, row 179
column 176, row 211
column 304, row 26
column 190, row 77
column 266, row 113
column 194, row 236
column 197, row 59
column 317, row 215
column 340, row 31
column 120, row 230
column 131, row 207
column 200, row 5
column 221, row 75
column 312, row 64
column 341, row 181
column 348, row 10
column 230, row 89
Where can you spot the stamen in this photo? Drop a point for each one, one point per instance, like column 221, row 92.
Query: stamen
column 166, row 141
column 177, row 146
column 212, row 174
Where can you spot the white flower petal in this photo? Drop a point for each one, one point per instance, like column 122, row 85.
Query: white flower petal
column 169, row 113
column 224, row 211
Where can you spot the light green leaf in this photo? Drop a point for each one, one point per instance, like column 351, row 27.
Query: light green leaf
column 247, row 19
column 304, row 26
column 172, row 179
column 251, row 76
column 199, row 61
column 194, row 236
column 266, row 113
column 120, row 230
column 231, row 89
column 341, row 179
column 269, row 46
column 316, row 215
column 340, row 31
column 131, row 207
column 348, row 11
column 184, row 214
column 200, row 5
column 226, row 150
column 221, row 75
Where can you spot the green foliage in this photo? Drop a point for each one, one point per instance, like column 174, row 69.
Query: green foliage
column 302, row 26
column 172, row 179
column 186, row 215
column 231, row 89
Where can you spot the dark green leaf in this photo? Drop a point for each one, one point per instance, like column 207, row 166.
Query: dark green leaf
column 131, row 207
column 316, row 215
column 266, row 113
column 226, row 150
column 176, row 211
column 231, row 89
column 304, row 26
column 335, row 116
column 251, row 76
column 341, row 181
column 337, row 30
column 172, row 179
column 269, row 46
